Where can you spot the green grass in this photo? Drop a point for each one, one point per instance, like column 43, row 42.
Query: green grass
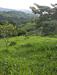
column 31, row 55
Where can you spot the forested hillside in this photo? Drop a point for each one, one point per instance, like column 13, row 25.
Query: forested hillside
column 15, row 17
column 42, row 21
column 12, row 22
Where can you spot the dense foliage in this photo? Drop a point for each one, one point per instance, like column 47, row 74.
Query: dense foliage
column 15, row 17
column 42, row 22
column 47, row 17
column 9, row 30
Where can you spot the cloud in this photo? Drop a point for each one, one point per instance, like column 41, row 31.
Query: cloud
column 23, row 4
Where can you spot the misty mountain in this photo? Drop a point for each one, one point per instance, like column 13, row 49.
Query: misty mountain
column 5, row 9
column 15, row 17
column 26, row 11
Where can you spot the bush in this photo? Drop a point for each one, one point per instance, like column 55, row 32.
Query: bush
column 21, row 32
column 12, row 43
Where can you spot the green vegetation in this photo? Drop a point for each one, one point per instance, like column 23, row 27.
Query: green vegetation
column 15, row 17
column 42, row 22
column 46, row 23
column 28, row 55
column 7, row 30
column 24, row 54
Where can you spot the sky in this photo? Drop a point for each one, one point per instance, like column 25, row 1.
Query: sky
column 24, row 4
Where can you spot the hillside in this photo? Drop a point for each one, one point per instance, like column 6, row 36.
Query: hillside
column 31, row 55
column 5, row 9
column 28, row 40
column 14, row 17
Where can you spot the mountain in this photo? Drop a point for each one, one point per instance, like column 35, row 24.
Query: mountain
column 14, row 17
column 23, row 10
column 26, row 11
column 5, row 9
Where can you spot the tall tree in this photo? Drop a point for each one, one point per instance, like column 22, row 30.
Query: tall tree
column 47, row 19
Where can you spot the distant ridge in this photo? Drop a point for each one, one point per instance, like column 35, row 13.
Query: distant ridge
column 26, row 11
column 6, row 10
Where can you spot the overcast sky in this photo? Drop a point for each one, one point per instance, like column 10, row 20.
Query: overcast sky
column 23, row 4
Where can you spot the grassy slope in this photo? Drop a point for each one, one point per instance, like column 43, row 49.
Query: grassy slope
column 32, row 55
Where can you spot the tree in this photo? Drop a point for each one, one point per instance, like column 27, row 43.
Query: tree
column 47, row 15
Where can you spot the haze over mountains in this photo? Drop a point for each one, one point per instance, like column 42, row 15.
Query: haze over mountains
column 5, row 9
column 23, row 10
column 16, row 17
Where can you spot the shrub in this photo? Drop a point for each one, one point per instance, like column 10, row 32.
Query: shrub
column 21, row 32
column 12, row 43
